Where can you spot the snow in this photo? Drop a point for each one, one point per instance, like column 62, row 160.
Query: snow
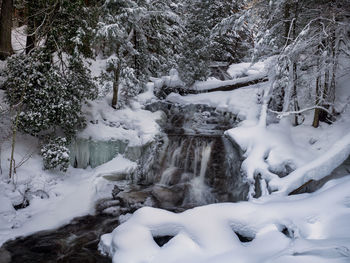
column 242, row 102
column 246, row 69
column 317, row 169
column 65, row 195
column 287, row 229
column 240, row 73
column 171, row 81
column 215, row 83
column 19, row 38
column 133, row 125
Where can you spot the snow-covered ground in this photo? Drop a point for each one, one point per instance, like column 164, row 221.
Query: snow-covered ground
column 55, row 198
column 303, row 228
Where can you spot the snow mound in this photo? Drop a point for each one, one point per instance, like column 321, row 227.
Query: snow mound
column 306, row 228
column 171, row 81
column 247, row 69
column 282, row 158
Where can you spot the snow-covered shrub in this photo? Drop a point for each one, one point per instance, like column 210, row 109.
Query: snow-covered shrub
column 56, row 154
column 130, row 86
column 48, row 96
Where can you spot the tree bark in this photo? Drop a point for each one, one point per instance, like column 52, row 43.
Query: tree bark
column 294, row 94
column 5, row 29
column 115, row 86
column 30, row 42
column 316, row 121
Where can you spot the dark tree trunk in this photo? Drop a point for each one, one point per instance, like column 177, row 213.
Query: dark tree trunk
column 115, row 86
column 30, row 42
column 5, row 28
column 316, row 121
column 294, row 94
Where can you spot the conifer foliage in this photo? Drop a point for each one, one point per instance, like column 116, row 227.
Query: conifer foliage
column 56, row 154
column 141, row 38
column 48, row 97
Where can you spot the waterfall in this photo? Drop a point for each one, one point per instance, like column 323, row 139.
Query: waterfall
column 204, row 167
column 205, row 158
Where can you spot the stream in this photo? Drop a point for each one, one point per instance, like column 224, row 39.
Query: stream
column 191, row 163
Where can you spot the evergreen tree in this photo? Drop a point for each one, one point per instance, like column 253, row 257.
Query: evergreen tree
column 63, row 25
column 140, row 37
column 205, row 41
column 49, row 97
column 195, row 58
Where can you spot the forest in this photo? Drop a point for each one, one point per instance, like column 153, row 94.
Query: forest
column 174, row 131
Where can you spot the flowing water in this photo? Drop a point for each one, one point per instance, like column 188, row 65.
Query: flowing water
column 192, row 163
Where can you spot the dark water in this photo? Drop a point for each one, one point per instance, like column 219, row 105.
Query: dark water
column 193, row 164
column 76, row 242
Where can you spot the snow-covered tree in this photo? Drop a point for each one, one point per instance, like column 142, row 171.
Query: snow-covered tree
column 61, row 25
column 141, row 39
column 195, row 57
column 47, row 96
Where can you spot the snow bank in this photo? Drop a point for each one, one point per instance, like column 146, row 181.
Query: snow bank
column 171, row 81
column 134, row 125
column 268, row 149
column 55, row 199
column 298, row 154
column 242, row 102
column 306, row 228
column 247, row 69
column 315, row 170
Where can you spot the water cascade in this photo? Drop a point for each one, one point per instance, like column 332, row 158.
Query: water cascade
column 191, row 163
column 193, row 158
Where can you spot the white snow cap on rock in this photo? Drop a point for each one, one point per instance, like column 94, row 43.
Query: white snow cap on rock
column 306, row 228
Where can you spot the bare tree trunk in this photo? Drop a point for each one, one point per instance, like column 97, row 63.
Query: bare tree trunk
column 323, row 116
column 316, row 121
column 14, row 133
column 295, row 95
column 30, row 42
column 136, row 62
column 331, row 96
column 5, row 29
column 0, row 156
column 115, row 86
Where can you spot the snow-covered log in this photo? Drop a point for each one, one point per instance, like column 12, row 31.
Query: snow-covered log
column 315, row 170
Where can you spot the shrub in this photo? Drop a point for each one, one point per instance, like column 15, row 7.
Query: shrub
column 56, row 154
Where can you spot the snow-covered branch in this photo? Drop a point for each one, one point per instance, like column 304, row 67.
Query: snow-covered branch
column 281, row 114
